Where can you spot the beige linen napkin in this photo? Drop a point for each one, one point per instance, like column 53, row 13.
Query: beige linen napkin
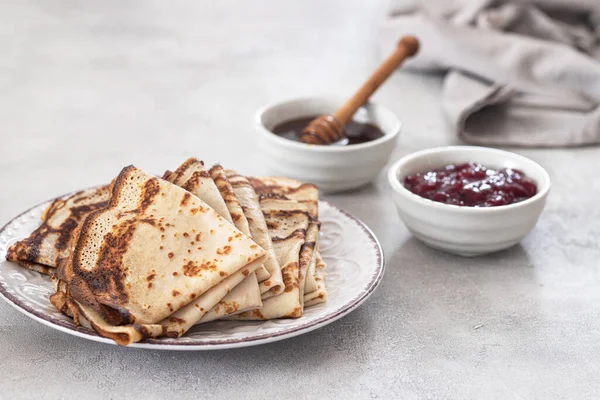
column 518, row 72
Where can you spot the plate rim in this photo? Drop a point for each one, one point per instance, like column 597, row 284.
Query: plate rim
column 208, row 344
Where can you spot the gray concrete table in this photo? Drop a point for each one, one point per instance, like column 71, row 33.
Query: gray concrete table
column 88, row 87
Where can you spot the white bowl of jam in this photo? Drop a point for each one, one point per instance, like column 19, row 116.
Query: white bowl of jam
column 349, row 164
column 469, row 200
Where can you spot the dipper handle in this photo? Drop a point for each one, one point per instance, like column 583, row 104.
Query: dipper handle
column 330, row 128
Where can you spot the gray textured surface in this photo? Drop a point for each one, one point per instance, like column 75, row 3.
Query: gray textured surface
column 88, row 87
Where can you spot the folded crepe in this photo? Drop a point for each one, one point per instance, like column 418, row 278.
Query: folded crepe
column 154, row 261
column 242, row 298
column 193, row 177
column 60, row 299
column 310, row 284
column 43, row 249
column 246, row 296
column 250, row 204
column 287, row 221
column 234, row 207
column 319, row 295
column 307, row 194
column 307, row 255
column 85, row 316
column 215, row 304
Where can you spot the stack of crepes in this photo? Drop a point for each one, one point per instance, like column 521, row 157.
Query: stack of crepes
column 149, row 257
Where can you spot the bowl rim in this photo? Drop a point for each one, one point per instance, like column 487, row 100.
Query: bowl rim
column 260, row 127
column 399, row 188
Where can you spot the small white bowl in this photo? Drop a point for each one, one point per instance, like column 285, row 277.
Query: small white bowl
column 467, row 231
column 332, row 168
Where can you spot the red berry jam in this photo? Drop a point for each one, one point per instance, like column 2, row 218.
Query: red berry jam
column 472, row 185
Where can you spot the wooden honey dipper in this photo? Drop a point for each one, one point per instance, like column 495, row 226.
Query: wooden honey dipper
column 327, row 129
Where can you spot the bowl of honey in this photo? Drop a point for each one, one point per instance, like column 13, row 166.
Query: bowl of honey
column 354, row 161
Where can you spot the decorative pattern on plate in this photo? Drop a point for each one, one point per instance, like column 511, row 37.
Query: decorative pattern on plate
column 355, row 267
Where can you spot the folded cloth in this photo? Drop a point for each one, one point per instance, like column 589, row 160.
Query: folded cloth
column 518, row 72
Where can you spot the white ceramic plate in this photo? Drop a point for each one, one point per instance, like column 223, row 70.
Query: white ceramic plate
column 355, row 265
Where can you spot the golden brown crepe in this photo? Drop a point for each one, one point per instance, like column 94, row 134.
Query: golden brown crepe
column 319, row 295
column 147, row 257
column 193, row 177
column 249, row 202
column 287, row 221
column 215, row 303
column 235, row 209
column 43, row 249
column 308, row 195
column 155, row 249
column 305, row 193
column 310, row 284
column 60, row 299
column 244, row 297
column 307, row 255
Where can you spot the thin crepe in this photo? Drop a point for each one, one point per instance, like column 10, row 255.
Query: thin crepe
column 52, row 240
column 193, row 177
column 235, row 209
column 214, row 303
column 307, row 194
column 85, row 316
column 154, row 250
column 307, row 255
column 249, row 202
column 310, row 284
column 320, row 294
column 287, row 221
